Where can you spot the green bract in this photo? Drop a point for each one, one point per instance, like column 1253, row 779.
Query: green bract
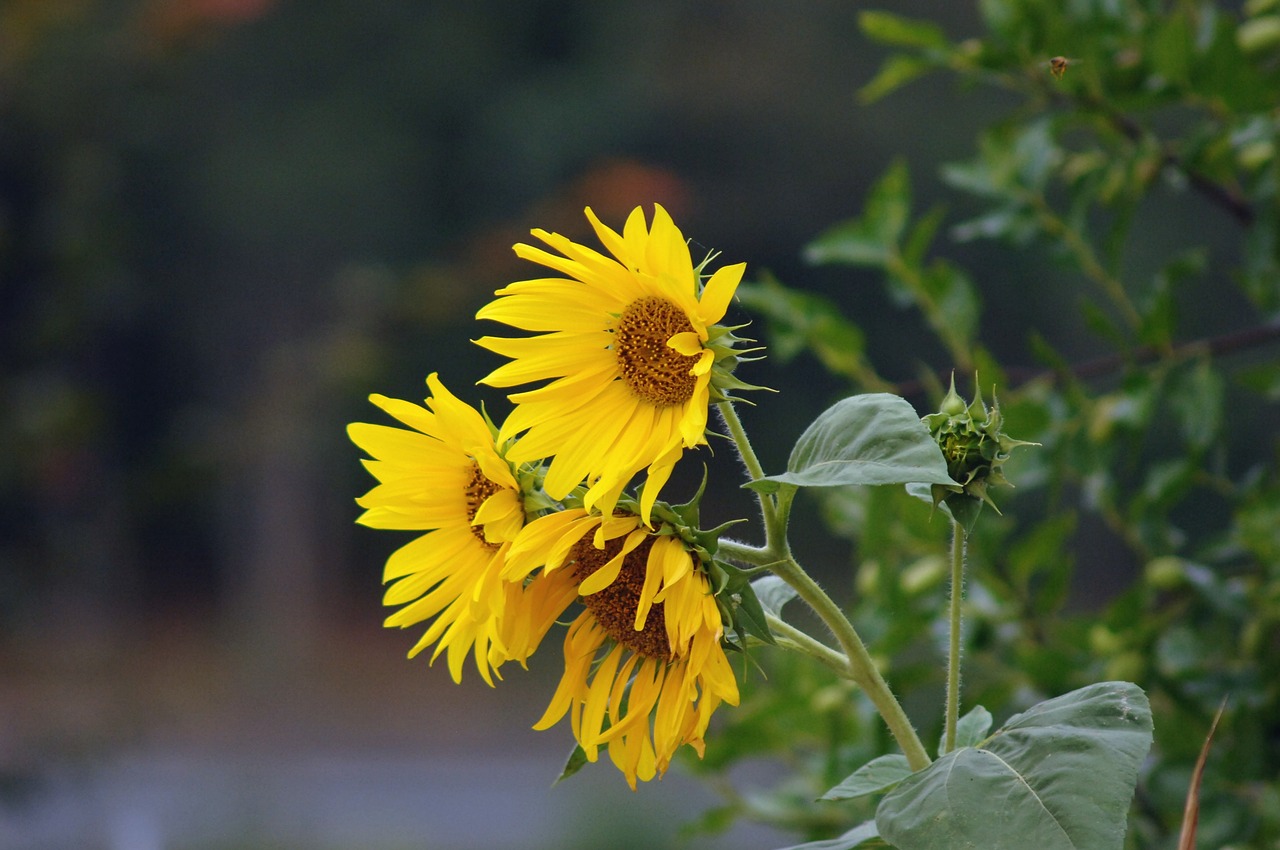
column 975, row 449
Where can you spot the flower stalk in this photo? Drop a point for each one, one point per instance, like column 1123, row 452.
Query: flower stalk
column 958, row 545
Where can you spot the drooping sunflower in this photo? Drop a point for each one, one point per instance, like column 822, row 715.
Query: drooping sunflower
column 629, row 345
column 444, row 475
column 644, row 665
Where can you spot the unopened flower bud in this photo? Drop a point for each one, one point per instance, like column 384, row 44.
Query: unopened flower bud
column 975, row 447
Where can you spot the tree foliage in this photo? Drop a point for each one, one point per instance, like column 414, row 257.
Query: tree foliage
column 1159, row 444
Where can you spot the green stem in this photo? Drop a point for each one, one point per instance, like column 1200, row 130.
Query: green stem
column 938, row 318
column 953, row 655
column 768, row 506
column 793, row 638
column 862, row 669
column 1054, row 225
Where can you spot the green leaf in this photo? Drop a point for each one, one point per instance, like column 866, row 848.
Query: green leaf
column 876, row 775
column 876, row 438
column 1197, row 400
column 736, row 595
column 873, row 238
column 1171, row 47
column 921, row 236
column 576, row 761
column 957, row 302
column 854, row 837
column 1263, row 379
column 1059, row 776
column 802, row 321
column 773, row 593
column 1259, row 34
column 896, row 72
column 971, row 729
column 888, row 28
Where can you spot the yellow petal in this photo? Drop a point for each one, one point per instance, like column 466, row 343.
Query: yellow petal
column 604, row 576
column 719, row 291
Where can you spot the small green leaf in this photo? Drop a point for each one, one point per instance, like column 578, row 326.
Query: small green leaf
column 803, row 321
column 876, row 775
column 853, row 838
column 971, row 729
column 871, row 239
column 737, row 597
column 921, row 236
column 1171, row 47
column 1259, row 34
column 576, row 761
column 896, row 72
column 764, row 486
column 876, row 438
column 965, row 509
column 1197, row 400
column 888, row 28
column 957, row 302
column 1263, row 379
column 1059, row 776
column 773, row 593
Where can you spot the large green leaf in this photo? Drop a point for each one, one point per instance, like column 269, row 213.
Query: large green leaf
column 1059, row 776
column 876, row 438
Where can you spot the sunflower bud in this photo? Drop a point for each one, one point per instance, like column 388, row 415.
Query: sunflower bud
column 975, row 448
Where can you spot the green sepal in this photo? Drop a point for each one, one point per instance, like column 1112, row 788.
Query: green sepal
column 975, row 448
column 739, row 605
column 682, row 521
column 574, row 763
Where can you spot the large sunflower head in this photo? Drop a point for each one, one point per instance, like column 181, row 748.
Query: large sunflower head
column 445, row 475
column 630, row 347
column 644, row 664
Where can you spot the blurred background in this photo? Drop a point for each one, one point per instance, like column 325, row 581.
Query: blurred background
column 223, row 223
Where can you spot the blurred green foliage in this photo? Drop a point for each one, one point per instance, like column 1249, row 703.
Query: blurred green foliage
column 1159, row 448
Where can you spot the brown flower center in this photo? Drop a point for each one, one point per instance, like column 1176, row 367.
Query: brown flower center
column 615, row 606
column 477, row 490
column 654, row 371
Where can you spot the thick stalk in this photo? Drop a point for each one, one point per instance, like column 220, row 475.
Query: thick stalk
column 953, row 653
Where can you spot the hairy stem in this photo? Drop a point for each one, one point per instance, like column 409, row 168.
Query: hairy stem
column 862, row 669
column 768, row 505
column 953, row 654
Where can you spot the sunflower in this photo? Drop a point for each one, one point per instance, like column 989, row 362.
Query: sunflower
column 644, row 666
column 447, row 477
column 629, row 345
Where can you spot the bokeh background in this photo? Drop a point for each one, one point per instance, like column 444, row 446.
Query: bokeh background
column 223, row 223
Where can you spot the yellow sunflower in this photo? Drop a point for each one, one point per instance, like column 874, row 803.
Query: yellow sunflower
column 628, row 344
column 644, row 664
column 447, row 477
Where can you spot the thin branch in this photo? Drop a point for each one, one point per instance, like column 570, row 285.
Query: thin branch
column 1110, row 364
